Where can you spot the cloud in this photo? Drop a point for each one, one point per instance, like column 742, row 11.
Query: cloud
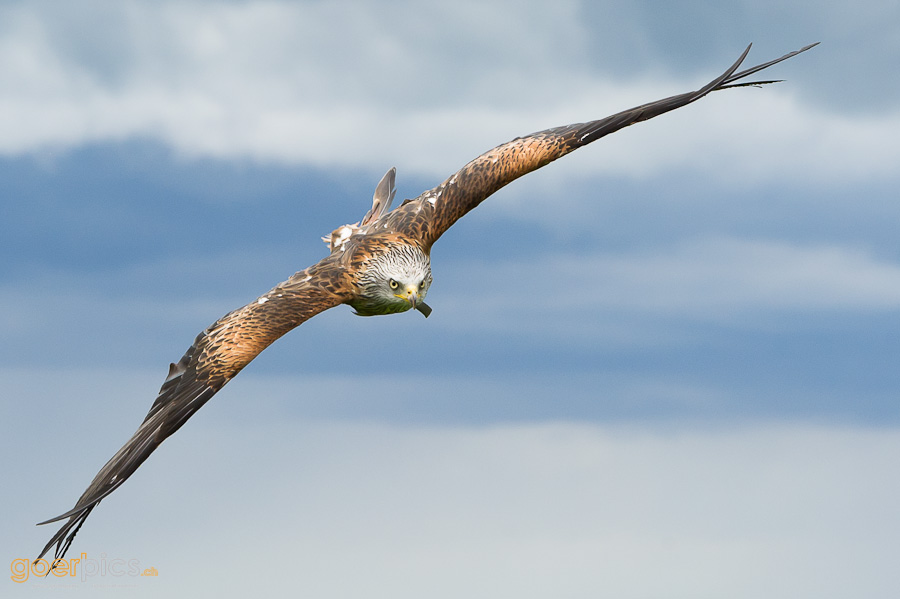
column 524, row 510
column 632, row 438
column 721, row 280
column 272, row 82
column 633, row 298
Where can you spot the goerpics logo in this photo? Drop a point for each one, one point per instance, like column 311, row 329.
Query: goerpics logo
column 82, row 567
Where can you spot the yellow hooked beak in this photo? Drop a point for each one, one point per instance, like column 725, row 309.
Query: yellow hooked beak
column 412, row 296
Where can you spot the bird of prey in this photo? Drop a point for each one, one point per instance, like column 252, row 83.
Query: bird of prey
column 380, row 265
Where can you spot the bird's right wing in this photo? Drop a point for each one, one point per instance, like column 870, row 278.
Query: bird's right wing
column 477, row 180
column 215, row 357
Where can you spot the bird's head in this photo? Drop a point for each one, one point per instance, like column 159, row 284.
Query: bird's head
column 395, row 280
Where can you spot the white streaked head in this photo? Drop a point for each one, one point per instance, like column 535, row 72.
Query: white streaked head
column 394, row 281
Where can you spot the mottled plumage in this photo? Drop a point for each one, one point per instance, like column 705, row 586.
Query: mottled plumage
column 379, row 266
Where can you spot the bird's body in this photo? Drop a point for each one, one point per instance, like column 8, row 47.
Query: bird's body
column 380, row 266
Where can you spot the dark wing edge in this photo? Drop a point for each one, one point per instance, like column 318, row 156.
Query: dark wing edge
column 215, row 357
column 496, row 168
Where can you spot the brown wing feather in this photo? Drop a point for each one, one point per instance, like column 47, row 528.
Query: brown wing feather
column 492, row 170
column 215, row 357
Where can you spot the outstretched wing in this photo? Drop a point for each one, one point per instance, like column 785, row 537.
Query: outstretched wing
column 216, row 356
column 492, row 170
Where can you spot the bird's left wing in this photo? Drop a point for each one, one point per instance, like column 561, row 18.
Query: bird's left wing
column 215, row 357
column 477, row 180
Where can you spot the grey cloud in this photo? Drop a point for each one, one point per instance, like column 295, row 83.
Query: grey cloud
column 428, row 88
column 510, row 509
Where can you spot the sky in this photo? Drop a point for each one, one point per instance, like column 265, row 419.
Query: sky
column 663, row 366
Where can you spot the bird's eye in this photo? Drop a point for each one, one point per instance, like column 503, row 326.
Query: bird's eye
column 422, row 285
column 394, row 284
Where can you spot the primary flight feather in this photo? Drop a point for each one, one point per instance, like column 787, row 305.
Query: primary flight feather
column 379, row 266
